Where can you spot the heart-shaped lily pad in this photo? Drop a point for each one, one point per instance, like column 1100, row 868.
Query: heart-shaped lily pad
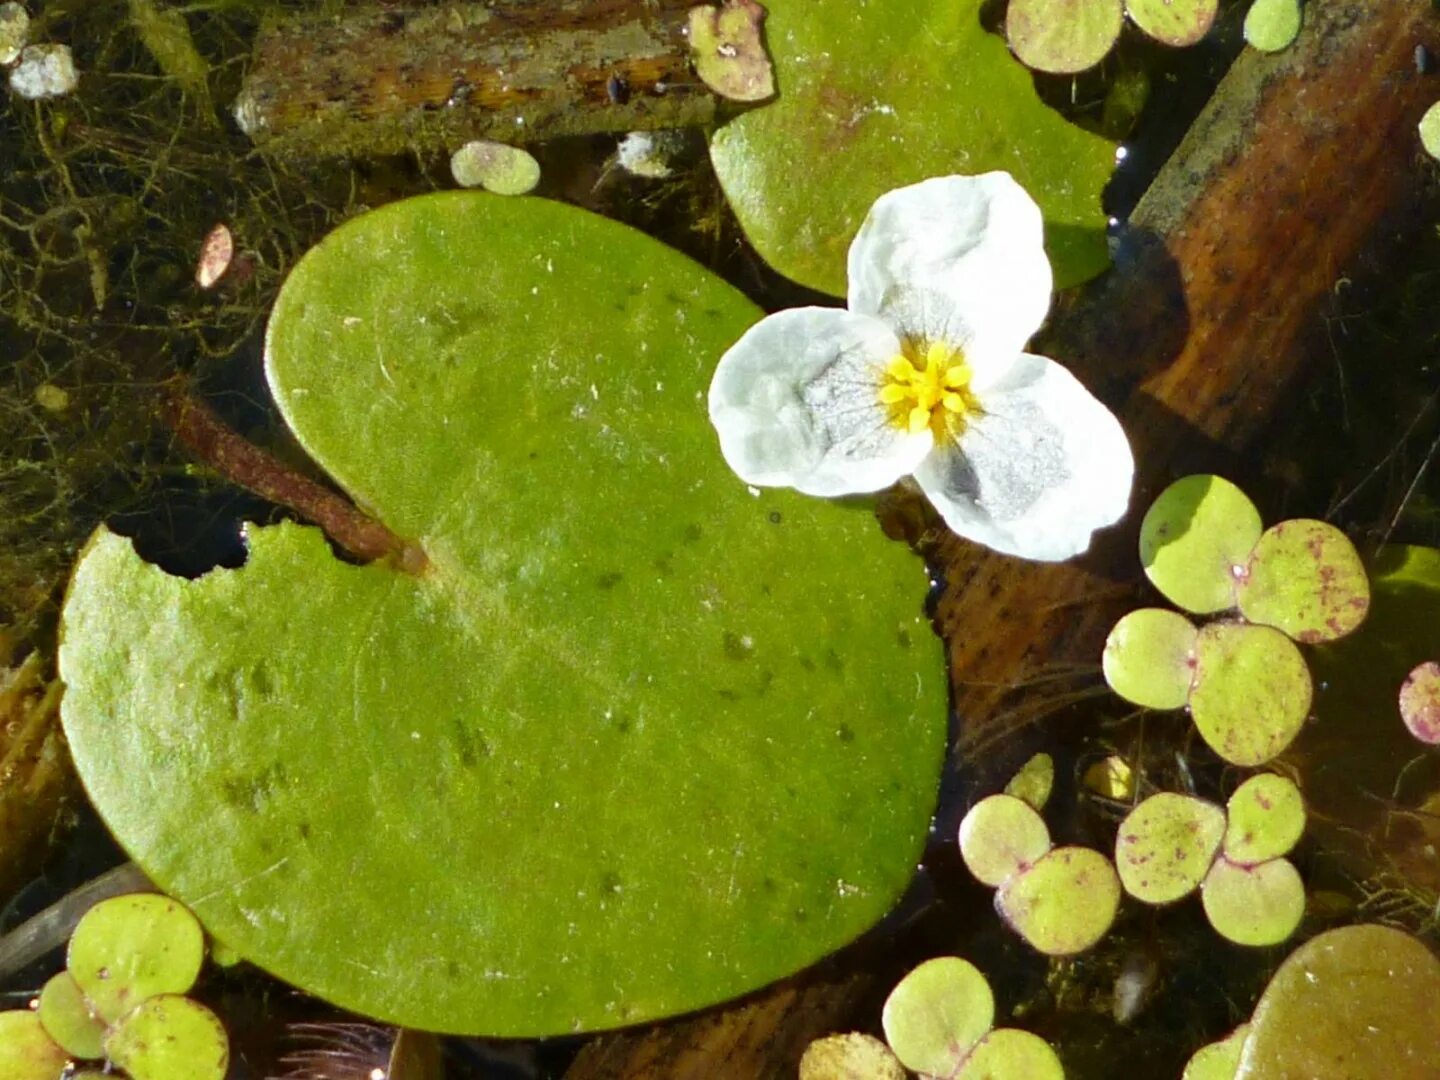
column 876, row 96
column 635, row 740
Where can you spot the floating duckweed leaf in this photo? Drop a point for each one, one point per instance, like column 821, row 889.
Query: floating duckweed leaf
column 1272, row 25
column 937, row 1013
column 14, row 31
column 66, row 1016
column 1252, row 691
column 1149, row 658
column 1165, row 846
column 1063, row 904
column 852, row 1056
column 1305, row 578
column 1173, row 22
column 129, row 948
column 169, row 1037
column 1430, row 131
column 1033, row 782
column 728, row 50
column 699, row 792
column 1011, row 1054
column 1000, row 836
column 889, row 94
column 26, row 1051
column 1358, row 1002
column 1062, row 36
column 1254, row 905
column 496, row 167
column 1265, row 818
column 1218, row 1060
column 1196, row 540
column 1420, row 702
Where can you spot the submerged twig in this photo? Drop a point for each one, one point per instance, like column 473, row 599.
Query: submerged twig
column 49, row 929
column 240, row 461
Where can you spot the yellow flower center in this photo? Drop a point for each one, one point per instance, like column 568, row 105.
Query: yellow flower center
column 928, row 385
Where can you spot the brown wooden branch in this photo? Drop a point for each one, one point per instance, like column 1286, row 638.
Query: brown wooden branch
column 1201, row 336
column 386, row 78
column 241, row 462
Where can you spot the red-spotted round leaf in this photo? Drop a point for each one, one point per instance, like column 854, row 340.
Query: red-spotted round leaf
column 1420, row 702
column 169, row 1037
column 635, row 739
column 1305, row 577
column 1063, row 904
column 1011, row 1054
column 1166, row 844
column 1173, row 22
column 1196, row 539
column 1149, row 658
column 1264, row 819
column 1062, row 36
column 1252, row 691
column 129, row 948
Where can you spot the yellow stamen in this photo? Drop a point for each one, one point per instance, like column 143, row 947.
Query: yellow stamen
column 928, row 385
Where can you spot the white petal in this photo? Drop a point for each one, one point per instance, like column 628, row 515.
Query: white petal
column 976, row 241
column 796, row 404
column 1043, row 467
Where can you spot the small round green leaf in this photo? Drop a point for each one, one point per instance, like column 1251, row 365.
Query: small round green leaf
column 1000, row 836
column 1254, row 905
column 1358, row 1002
column 27, row 1052
column 169, row 1037
column 1011, row 1054
column 1265, row 817
column 1173, row 22
column 1271, row 25
column 1062, row 36
column 1063, row 904
column 67, row 1017
column 1149, row 658
column 496, row 167
column 1165, row 846
column 1420, row 702
column 1430, row 131
column 1305, row 577
column 1033, row 781
column 937, row 1013
column 852, row 1056
column 1195, row 542
column 129, row 948
column 1218, row 1060
column 1252, row 691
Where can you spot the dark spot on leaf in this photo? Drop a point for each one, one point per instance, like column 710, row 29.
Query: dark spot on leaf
column 833, row 661
column 807, row 663
column 774, row 517
column 737, row 647
column 663, row 565
column 609, row 580
column 903, row 637
column 845, row 733
column 692, row 533
column 304, row 830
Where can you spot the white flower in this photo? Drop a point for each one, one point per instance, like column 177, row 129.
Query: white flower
column 925, row 374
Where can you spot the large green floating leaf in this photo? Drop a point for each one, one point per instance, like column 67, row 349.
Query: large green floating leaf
column 1196, row 539
column 876, row 96
column 1359, row 1002
column 1252, row 691
column 1062, row 36
column 1305, row 577
column 637, row 740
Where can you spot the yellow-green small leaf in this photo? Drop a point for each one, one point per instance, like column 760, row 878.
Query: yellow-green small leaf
column 1272, row 25
column 1254, row 905
column 1173, row 22
column 1062, row 36
column 1305, row 578
column 169, row 1037
column 1252, row 691
column 1430, row 131
column 496, row 167
column 130, row 948
column 1011, row 1054
column 1149, row 658
column 1264, row 819
column 937, row 1013
column 1033, row 781
column 27, row 1052
column 1064, row 903
column 1218, row 1060
column 852, row 1056
column 1165, row 845
column 68, row 1019
column 1195, row 542
column 1000, row 836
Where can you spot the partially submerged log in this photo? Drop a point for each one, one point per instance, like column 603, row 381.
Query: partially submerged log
column 386, row 78
column 1301, row 169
